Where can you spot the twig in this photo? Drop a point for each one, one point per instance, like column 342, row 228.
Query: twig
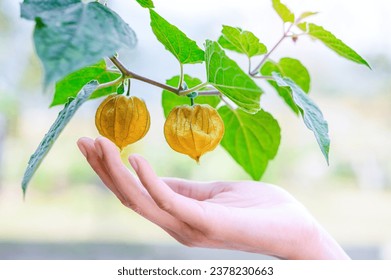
column 256, row 69
column 129, row 74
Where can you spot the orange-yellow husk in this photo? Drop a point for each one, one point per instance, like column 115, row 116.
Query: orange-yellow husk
column 194, row 130
column 123, row 120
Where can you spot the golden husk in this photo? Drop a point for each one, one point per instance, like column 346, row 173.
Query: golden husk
column 123, row 120
column 194, row 130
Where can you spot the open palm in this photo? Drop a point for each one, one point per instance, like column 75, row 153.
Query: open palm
column 246, row 215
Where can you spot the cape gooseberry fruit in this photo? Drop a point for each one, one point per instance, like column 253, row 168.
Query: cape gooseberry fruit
column 193, row 130
column 123, row 120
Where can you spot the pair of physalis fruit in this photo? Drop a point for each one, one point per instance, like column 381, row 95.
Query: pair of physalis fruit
column 192, row 130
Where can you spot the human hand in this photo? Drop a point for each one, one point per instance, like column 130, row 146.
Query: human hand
column 248, row 216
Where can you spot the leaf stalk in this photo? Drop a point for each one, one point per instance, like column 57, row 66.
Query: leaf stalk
column 258, row 67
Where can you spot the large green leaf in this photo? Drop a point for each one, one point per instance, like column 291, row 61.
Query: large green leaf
column 171, row 100
column 241, row 41
column 72, row 84
column 285, row 14
column 293, row 69
column 227, row 77
column 30, row 9
column 251, row 139
column 70, row 37
column 332, row 42
column 313, row 117
column 146, row 3
column 57, row 127
column 175, row 41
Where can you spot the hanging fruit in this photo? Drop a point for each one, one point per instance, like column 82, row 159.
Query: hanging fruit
column 124, row 120
column 194, row 130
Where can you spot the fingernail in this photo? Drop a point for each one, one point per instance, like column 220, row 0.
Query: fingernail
column 82, row 149
column 133, row 163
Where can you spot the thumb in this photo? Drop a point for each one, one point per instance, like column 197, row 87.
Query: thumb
column 183, row 208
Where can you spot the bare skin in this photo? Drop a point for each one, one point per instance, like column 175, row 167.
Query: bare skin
column 247, row 216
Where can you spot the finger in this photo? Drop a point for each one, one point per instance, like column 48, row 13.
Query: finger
column 193, row 189
column 87, row 147
column 177, row 229
column 125, row 182
column 131, row 189
column 185, row 209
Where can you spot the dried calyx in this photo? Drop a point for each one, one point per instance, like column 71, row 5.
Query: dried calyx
column 124, row 120
column 193, row 130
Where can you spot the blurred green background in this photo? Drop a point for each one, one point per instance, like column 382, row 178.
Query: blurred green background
column 68, row 213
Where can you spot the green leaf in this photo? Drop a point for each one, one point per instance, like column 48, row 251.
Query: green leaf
column 72, row 84
column 227, row 77
column 267, row 69
column 57, row 127
column 146, row 3
column 240, row 41
column 293, row 69
column 285, row 14
column 332, row 42
column 175, row 41
column 306, row 15
column 171, row 100
column 252, row 140
column 312, row 116
column 78, row 35
column 30, row 9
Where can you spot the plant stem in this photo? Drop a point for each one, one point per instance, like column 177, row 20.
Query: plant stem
column 263, row 77
column 178, row 91
column 209, row 92
column 180, row 87
column 256, row 69
column 111, row 83
column 119, row 65
column 129, row 74
column 115, row 71
column 186, row 92
column 128, row 91
column 152, row 82
column 227, row 103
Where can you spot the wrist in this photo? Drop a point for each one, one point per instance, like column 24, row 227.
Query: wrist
column 318, row 244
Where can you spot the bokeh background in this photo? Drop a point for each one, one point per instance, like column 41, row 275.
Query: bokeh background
column 69, row 214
